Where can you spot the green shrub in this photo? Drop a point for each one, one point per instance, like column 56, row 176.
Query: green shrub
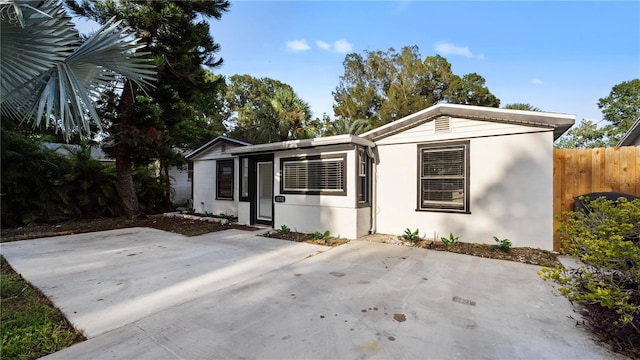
column 607, row 284
column 319, row 236
column 284, row 229
column 411, row 236
column 451, row 240
column 503, row 244
column 229, row 217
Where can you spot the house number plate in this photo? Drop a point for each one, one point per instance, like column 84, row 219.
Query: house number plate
column 279, row 198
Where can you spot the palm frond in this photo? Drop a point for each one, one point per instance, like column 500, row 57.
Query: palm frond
column 50, row 75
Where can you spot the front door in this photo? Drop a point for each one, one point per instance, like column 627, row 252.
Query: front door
column 264, row 193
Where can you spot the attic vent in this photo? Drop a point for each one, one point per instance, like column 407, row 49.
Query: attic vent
column 443, row 124
column 223, row 148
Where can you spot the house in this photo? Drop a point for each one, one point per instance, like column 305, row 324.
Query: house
column 632, row 136
column 214, row 176
column 473, row 171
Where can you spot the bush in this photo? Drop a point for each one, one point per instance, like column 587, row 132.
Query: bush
column 320, row 236
column 284, row 229
column 607, row 284
column 411, row 236
column 503, row 244
column 451, row 240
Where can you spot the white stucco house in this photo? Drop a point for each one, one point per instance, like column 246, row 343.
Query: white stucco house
column 473, row 171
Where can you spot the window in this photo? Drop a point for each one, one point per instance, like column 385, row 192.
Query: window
column 444, row 177
column 363, row 179
column 224, row 179
column 244, row 179
column 314, row 175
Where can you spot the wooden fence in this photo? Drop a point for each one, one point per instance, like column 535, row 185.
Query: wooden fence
column 581, row 171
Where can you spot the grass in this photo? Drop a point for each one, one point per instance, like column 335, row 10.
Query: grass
column 30, row 325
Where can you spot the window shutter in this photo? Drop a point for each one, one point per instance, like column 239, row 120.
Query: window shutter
column 314, row 175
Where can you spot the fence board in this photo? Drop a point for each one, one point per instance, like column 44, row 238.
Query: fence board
column 581, row 171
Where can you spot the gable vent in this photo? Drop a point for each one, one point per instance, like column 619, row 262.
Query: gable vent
column 443, row 124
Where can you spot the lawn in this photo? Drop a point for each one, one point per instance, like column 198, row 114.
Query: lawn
column 30, row 325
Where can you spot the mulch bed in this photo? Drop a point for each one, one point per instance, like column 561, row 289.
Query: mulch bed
column 188, row 227
column 519, row 254
column 302, row 237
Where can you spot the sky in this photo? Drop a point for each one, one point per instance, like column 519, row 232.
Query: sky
column 559, row 56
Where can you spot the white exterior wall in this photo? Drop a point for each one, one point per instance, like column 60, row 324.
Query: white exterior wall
column 511, row 184
column 309, row 213
column 204, row 182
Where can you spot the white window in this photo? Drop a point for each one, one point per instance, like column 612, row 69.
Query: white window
column 444, row 177
column 314, row 175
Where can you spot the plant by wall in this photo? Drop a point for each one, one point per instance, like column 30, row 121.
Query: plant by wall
column 411, row 236
column 451, row 240
column 607, row 285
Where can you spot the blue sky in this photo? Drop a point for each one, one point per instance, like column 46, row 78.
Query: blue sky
column 557, row 56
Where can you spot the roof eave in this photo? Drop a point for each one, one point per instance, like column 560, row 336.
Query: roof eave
column 216, row 140
column 560, row 123
column 302, row 144
column 631, row 134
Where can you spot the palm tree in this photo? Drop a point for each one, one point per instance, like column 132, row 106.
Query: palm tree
column 344, row 125
column 49, row 75
column 292, row 116
column 521, row 106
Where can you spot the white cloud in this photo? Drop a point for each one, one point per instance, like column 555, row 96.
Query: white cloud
column 297, row 45
column 342, row 46
column 536, row 82
column 444, row 48
column 323, row 45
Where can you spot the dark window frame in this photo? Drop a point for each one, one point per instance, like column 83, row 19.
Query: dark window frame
column 342, row 157
column 363, row 180
column 443, row 146
column 220, row 165
column 244, row 172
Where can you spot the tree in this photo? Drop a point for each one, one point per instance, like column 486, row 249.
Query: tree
column 266, row 110
column 470, row 90
column 521, row 106
column 585, row 135
column 245, row 98
column 177, row 35
column 619, row 111
column 621, row 108
column 381, row 87
column 50, row 77
column 342, row 126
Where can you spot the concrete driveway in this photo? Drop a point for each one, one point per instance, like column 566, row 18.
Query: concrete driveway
column 144, row 293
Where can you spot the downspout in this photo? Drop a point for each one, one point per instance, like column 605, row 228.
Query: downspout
column 374, row 189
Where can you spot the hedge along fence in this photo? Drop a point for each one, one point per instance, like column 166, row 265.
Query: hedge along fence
column 582, row 171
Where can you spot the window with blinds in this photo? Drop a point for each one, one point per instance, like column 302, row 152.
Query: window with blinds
column 444, row 175
column 314, row 175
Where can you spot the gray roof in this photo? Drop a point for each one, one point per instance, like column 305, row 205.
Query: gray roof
column 213, row 142
column 560, row 123
column 300, row 144
column 631, row 135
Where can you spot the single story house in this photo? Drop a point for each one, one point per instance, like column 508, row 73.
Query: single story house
column 476, row 172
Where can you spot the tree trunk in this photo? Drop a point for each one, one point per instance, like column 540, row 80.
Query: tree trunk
column 165, row 181
column 124, row 168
